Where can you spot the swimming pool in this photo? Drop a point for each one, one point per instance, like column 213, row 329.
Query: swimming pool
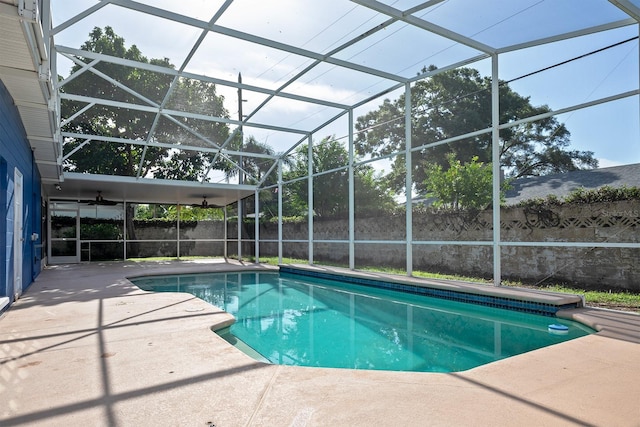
column 295, row 320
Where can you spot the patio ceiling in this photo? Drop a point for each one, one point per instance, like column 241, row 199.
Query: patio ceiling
column 301, row 72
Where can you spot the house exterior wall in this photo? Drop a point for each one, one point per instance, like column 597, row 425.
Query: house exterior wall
column 15, row 153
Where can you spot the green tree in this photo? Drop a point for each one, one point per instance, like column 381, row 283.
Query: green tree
column 133, row 159
column 330, row 196
column 457, row 102
column 256, row 169
column 194, row 213
column 153, row 211
column 460, row 186
column 170, row 213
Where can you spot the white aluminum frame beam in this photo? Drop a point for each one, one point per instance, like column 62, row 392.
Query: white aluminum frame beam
column 207, row 79
column 408, row 164
column 114, row 139
column 179, row 147
column 79, row 17
column 495, row 172
column 351, row 196
column 567, row 36
column 151, row 109
column 425, row 25
column 107, row 78
column 310, row 207
column 627, row 7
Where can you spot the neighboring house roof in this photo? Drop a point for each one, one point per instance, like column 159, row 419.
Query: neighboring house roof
column 562, row 184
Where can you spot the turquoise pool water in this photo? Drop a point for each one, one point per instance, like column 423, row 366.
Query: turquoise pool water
column 295, row 320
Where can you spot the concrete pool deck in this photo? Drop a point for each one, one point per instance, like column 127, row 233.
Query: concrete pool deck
column 83, row 346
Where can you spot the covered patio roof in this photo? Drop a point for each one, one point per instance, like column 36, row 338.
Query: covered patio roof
column 163, row 191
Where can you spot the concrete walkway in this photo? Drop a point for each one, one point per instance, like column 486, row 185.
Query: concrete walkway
column 84, row 347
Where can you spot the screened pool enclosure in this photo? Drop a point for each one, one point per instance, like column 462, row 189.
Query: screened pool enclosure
column 319, row 131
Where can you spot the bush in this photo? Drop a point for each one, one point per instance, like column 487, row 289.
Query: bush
column 602, row 194
column 467, row 186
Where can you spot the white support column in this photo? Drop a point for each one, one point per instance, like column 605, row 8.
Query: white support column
column 310, row 200
column 224, row 212
column 408, row 179
column 495, row 159
column 239, row 230
column 352, row 186
column 279, row 211
column 257, row 227
column 124, row 232
column 178, row 230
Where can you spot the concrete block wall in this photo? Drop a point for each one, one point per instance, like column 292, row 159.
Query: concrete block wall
column 614, row 268
column 617, row 222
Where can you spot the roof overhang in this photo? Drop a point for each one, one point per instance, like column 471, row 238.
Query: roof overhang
column 26, row 72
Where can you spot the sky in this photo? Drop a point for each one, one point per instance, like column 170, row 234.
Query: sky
column 611, row 131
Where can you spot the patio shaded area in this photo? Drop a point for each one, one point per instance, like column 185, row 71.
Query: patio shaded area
column 83, row 346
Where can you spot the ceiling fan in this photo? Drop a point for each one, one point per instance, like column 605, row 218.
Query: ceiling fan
column 205, row 204
column 99, row 200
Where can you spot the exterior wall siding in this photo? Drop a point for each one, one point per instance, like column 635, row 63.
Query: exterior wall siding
column 15, row 152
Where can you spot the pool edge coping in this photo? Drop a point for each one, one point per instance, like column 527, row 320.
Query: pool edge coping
column 518, row 299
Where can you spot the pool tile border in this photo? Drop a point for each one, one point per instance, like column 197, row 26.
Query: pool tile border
column 521, row 305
